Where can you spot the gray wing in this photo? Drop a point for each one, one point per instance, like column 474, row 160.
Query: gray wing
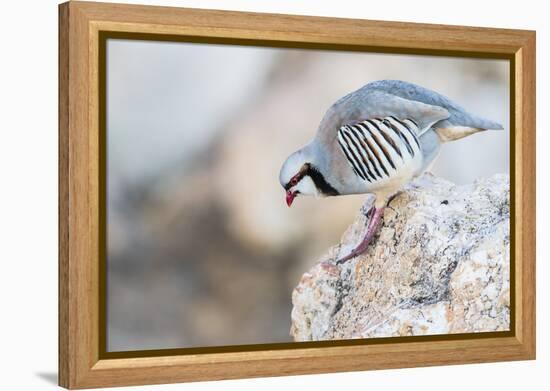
column 458, row 115
column 403, row 100
column 368, row 103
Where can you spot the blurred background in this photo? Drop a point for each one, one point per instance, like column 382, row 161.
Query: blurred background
column 202, row 249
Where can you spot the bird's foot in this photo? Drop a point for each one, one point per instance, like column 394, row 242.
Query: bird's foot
column 360, row 249
column 374, row 222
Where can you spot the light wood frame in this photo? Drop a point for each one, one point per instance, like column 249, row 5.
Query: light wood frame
column 81, row 364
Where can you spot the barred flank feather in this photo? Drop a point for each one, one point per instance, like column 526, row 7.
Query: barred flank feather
column 377, row 148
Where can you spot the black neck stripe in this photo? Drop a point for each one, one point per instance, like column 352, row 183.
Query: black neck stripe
column 320, row 182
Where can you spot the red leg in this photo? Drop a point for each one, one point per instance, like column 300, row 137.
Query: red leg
column 374, row 223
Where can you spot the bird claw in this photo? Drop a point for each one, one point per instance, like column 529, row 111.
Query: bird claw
column 348, row 257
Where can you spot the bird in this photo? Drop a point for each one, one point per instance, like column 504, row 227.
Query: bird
column 374, row 141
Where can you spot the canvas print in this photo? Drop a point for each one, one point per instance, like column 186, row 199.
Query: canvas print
column 260, row 195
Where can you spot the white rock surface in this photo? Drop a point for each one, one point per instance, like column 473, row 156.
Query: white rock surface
column 439, row 264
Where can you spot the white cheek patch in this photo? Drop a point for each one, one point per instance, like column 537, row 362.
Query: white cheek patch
column 307, row 187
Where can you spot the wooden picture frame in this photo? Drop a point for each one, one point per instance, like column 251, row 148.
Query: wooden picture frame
column 83, row 27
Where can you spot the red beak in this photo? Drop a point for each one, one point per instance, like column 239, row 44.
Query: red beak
column 290, row 197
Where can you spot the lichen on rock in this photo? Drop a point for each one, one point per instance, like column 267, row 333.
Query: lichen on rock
column 439, row 264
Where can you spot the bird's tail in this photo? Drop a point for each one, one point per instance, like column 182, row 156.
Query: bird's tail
column 448, row 131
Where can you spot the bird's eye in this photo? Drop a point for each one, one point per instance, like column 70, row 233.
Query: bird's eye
column 294, row 181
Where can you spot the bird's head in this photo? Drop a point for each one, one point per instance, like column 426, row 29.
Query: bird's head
column 295, row 176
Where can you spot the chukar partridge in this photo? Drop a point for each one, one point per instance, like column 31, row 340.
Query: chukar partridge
column 375, row 140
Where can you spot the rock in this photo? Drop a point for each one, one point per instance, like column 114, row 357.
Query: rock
column 439, row 264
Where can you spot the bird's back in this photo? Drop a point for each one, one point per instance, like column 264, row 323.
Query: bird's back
column 357, row 145
column 458, row 116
